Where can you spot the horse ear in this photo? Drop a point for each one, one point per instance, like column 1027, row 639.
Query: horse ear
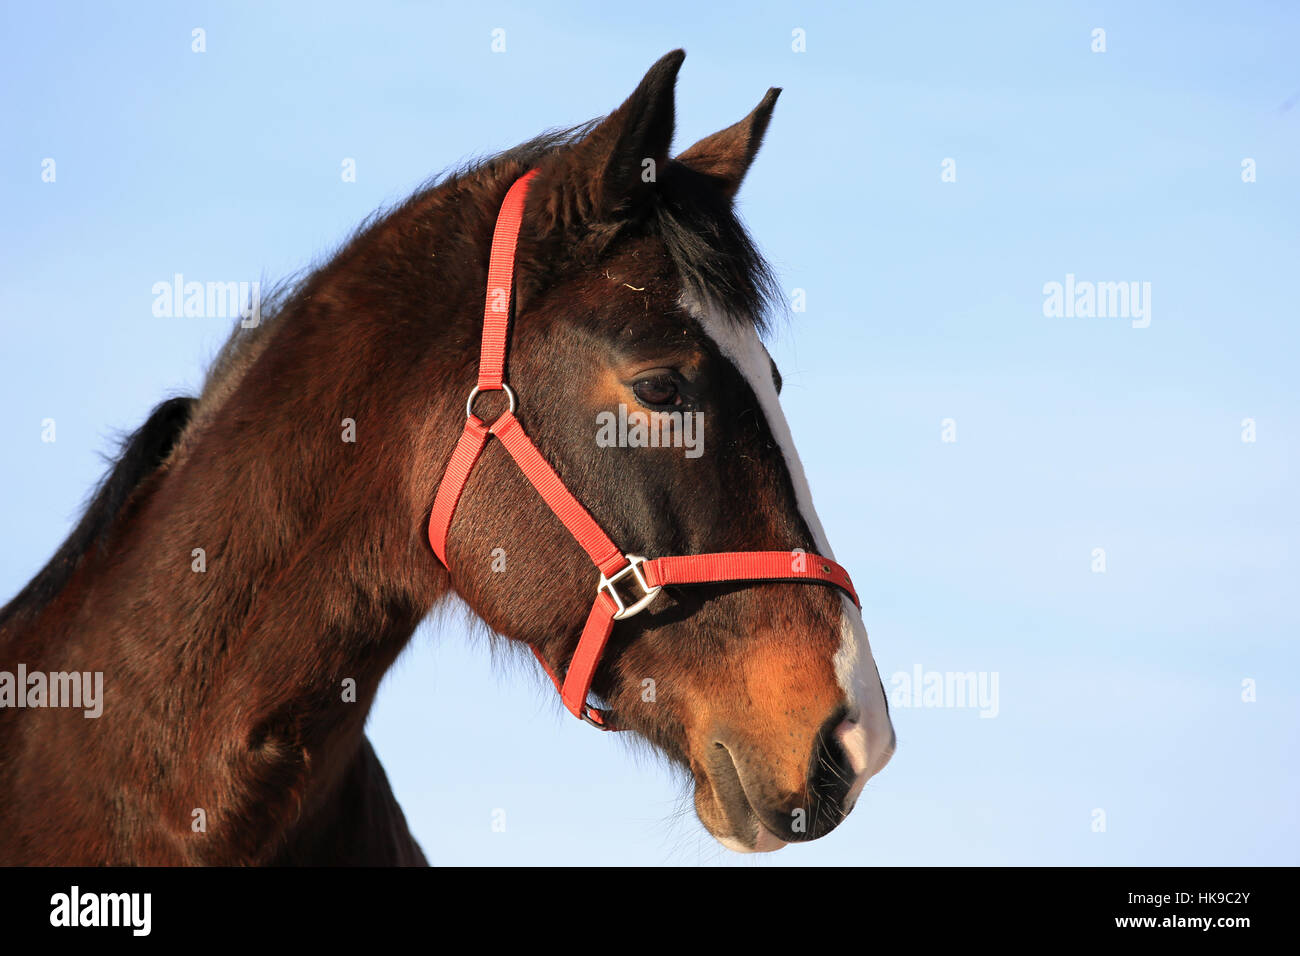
column 726, row 155
column 607, row 172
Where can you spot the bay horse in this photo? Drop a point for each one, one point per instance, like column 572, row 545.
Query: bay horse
column 244, row 562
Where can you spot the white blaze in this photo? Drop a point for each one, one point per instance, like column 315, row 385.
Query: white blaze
column 868, row 737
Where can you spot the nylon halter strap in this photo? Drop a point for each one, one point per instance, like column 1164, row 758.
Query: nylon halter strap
column 646, row 578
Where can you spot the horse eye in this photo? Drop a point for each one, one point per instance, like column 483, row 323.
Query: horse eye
column 658, row 390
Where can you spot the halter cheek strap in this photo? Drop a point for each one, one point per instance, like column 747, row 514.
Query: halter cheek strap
column 639, row 579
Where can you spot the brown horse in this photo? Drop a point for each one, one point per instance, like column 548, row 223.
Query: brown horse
column 258, row 556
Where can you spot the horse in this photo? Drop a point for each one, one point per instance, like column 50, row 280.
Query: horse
column 259, row 554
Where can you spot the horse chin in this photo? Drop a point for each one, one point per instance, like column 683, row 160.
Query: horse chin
column 767, row 842
column 754, row 838
column 726, row 812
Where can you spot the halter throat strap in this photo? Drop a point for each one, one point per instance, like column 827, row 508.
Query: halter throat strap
column 628, row 583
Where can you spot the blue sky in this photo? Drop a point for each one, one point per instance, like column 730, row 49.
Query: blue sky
column 1118, row 691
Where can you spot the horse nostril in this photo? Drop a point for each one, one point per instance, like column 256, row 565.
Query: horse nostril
column 831, row 774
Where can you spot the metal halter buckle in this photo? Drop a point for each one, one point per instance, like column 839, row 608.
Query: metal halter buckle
column 648, row 593
column 469, row 402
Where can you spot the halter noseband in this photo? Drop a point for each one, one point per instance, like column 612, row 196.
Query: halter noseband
column 615, row 567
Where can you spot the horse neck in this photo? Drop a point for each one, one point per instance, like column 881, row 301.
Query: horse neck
column 253, row 593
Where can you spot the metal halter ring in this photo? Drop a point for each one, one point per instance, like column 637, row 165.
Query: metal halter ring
column 648, row 593
column 469, row 402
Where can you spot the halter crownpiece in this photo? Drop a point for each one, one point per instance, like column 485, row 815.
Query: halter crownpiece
column 641, row 579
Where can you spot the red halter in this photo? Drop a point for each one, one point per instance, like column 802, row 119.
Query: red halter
column 649, row 576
